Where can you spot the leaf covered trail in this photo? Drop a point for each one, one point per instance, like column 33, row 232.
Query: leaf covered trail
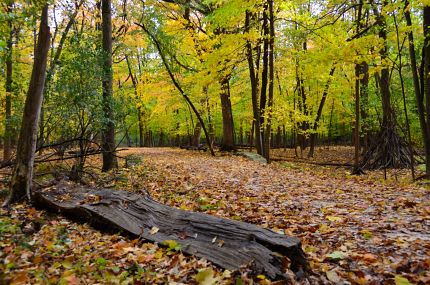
column 352, row 228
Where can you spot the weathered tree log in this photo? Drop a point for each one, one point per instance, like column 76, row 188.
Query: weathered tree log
column 227, row 243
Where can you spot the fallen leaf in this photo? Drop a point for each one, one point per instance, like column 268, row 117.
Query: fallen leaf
column 154, row 230
column 206, row 277
column 336, row 255
column 400, row 280
column 332, row 276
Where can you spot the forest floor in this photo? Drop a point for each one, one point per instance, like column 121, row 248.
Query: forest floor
column 354, row 229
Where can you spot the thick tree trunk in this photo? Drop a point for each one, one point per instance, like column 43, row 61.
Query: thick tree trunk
column 227, row 243
column 23, row 172
column 227, row 117
column 108, row 133
column 7, row 151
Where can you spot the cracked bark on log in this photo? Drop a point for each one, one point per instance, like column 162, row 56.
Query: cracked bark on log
column 236, row 243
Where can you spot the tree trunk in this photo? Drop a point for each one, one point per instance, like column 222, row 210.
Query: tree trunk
column 108, row 133
column 356, row 169
column 268, row 110
column 227, row 117
column 319, row 112
column 52, row 68
column 364, row 98
column 254, row 88
column 389, row 149
column 227, row 243
column 264, row 79
column 197, row 134
column 23, row 172
column 426, row 80
column 139, row 108
column 7, row 151
column 402, row 85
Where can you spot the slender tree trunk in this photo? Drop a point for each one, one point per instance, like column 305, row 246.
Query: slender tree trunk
column 139, row 118
column 23, row 172
column 108, row 133
column 211, row 128
column 7, row 151
column 426, row 81
column 389, row 149
column 402, row 84
column 330, row 123
column 356, row 169
column 254, row 89
column 227, row 116
column 364, row 98
column 268, row 112
column 178, row 86
column 417, row 86
column 139, row 108
column 52, row 68
column 264, row 79
column 319, row 112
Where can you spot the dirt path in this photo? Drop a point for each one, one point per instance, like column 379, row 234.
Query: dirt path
column 352, row 229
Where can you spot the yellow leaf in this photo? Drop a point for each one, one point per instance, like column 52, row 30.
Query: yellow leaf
column 206, row 277
column 333, row 218
column 400, row 280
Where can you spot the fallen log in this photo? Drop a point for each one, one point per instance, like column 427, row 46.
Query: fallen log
column 227, row 243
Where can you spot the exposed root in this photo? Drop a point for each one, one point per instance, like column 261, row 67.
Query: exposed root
column 388, row 150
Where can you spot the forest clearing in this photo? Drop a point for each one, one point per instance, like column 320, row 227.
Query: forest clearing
column 214, row 142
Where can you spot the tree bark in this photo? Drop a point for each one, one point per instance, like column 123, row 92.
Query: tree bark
column 197, row 134
column 364, row 98
column 7, row 151
column 264, row 79
column 254, row 88
column 426, row 80
column 271, row 68
column 108, row 133
column 23, row 172
column 227, row 117
column 417, row 87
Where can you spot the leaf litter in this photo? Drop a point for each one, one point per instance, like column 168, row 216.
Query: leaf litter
column 355, row 230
